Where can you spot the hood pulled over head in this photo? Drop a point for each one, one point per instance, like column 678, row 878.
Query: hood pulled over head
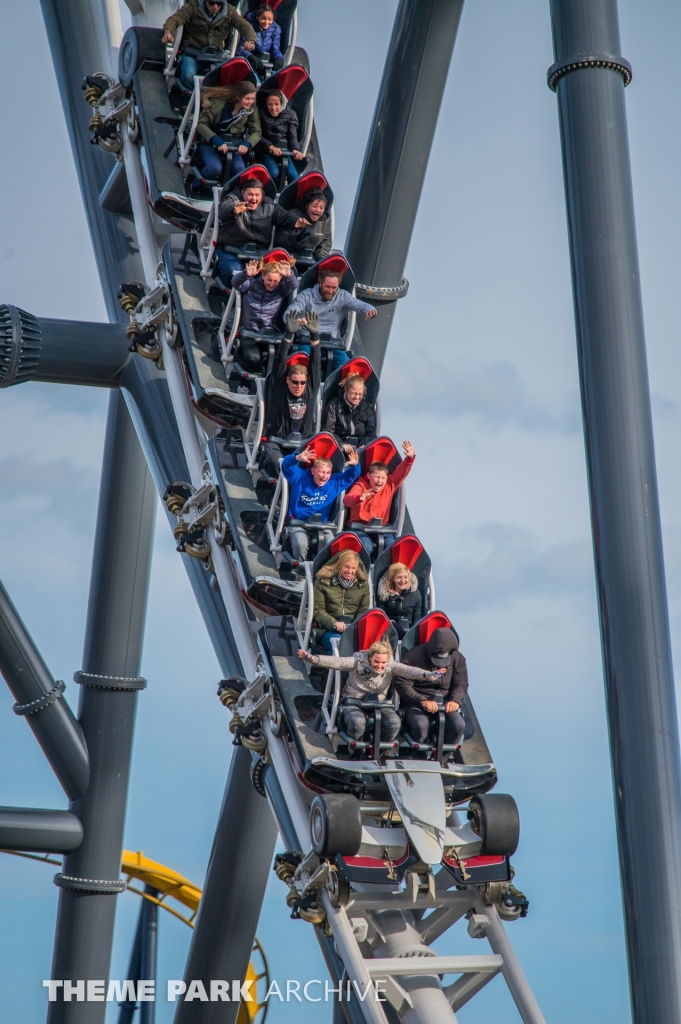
column 441, row 646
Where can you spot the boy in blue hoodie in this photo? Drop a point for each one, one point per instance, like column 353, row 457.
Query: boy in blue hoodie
column 313, row 489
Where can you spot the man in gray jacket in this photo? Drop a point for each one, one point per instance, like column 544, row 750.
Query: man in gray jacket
column 330, row 302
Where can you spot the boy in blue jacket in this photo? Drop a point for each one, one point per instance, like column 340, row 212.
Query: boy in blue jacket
column 313, row 489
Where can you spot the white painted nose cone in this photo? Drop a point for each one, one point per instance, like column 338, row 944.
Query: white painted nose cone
column 420, row 799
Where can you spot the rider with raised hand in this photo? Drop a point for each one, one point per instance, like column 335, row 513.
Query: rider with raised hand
column 317, row 237
column 372, row 495
column 290, row 396
column 265, row 285
column 313, row 488
column 246, row 214
column 370, row 675
column 205, row 23
column 331, row 303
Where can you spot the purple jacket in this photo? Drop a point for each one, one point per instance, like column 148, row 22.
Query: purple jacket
column 265, row 42
column 260, row 308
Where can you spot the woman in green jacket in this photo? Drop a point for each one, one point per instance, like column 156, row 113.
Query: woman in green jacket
column 341, row 594
column 229, row 114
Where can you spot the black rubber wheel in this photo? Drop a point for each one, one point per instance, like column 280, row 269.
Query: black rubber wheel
column 494, row 816
column 336, row 825
column 137, row 45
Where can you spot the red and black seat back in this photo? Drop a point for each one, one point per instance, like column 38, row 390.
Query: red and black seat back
column 366, row 630
column 410, row 552
column 380, row 450
column 343, row 542
column 334, row 262
column 325, row 446
column 357, row 365
column 254, row 171
column 424, row 629
column 383, row 450
column 230, row 73
column 294, row 194
column 294, row 82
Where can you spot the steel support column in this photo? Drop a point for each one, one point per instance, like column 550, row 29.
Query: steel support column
column 589, row 78
column 110, row 681
column 396, row 158
column 232, row 894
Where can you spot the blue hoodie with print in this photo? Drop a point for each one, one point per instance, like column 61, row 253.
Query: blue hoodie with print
column 305, row 498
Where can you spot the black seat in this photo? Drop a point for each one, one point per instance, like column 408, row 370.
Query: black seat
column 410, row 552
column 382, row 450
column 421, row 633
column 359, row 636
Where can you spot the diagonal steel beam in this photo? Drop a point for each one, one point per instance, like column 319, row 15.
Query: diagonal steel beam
column 396, row 159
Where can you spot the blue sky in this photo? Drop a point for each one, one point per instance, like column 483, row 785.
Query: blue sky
column 481, row 376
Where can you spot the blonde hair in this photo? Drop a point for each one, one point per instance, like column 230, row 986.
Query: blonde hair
column 333, row 567
column 321, row 460
column 354, row 380
column 395, row 569
column 380, row 647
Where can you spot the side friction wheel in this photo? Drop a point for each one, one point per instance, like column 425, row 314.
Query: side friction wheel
column 139, row 44
column 494, row 816
column 336, row 825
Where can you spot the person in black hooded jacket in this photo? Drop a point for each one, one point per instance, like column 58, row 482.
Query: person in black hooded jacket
column 290, row 395
column 441, row 654
column 351, row 414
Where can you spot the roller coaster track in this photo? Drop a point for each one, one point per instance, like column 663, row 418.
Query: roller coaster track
column 378, row 857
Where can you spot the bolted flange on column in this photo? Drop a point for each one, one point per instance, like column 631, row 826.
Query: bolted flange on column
column 19, row 346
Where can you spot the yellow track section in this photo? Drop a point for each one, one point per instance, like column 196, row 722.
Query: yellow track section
column 171, row 884
column 174, row 885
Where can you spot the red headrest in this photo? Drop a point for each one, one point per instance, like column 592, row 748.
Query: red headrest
column 298, row 358
column 275, row 256
column 335, row 262
column 406, row 550
column 234, row 71
column 346, row 542
column 274, row 4
column 358, row 365
column 371, row 627
column 324, row 446
column 290, row 79
column 256, row 171
column 312, row 180
column 382, row 450
column 436, row 620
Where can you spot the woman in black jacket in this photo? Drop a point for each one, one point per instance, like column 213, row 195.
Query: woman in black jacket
column 279, row 131
column 399, row 597
column 351, row 414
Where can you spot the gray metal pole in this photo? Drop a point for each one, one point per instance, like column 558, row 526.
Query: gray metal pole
column 110, row 682
column 38, row 830
column 40, row 700
column 232, row 894
column 589, row 77
column 396, row 159
column 60, row 351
